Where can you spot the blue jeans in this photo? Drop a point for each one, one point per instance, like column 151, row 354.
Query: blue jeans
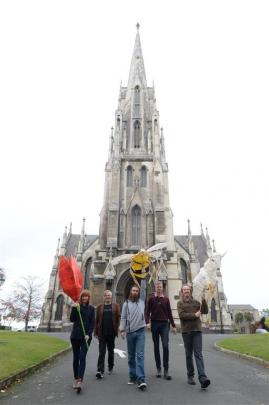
column 193, row 344
column 80, row 350
column 136, row 348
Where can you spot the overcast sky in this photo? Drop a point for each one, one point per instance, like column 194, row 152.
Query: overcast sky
column 60, row 72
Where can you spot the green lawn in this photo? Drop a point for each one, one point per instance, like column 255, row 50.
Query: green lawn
column 254, row 345
column 19, row 350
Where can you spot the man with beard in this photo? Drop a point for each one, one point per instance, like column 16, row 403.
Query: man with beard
column 133, row 326
column 189, row 311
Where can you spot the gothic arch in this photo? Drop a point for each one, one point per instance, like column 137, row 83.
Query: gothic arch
column 184, row 271
column 213, row 311
column 59, row 308
column 137, row 134
column 129, row 176
column 136, row 225
column 143, row 176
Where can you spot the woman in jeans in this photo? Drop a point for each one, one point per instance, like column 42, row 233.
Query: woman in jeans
column 80, row 343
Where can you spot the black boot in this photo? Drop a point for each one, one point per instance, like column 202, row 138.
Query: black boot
column 191, row 381
column 166, row 375
column 159, row 373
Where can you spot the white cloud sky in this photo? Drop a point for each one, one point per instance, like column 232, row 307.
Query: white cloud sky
column 60, row 71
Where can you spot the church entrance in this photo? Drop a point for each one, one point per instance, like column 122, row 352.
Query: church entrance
column 124, row 285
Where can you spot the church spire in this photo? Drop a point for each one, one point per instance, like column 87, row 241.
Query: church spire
column 137, row 73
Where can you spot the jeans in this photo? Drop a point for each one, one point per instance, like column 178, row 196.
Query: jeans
column 80, row 350
column 193, row 344
column 136, row 348
column 109, row 343
column 161, row 328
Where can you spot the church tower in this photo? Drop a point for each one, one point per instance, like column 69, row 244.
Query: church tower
column 136, row 212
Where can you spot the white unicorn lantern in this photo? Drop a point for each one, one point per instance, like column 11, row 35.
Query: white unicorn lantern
column 206, row 279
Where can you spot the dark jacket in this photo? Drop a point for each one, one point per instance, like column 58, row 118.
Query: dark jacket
column 159, row 309
column 99, row 319
column 186, row 312
column 88, row 318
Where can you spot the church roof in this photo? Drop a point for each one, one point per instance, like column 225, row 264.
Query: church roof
column 199, row 246
column 73, row 241
column 241, row 307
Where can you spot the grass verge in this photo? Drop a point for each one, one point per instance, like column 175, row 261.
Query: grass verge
column 19, row 350
column 253, row 345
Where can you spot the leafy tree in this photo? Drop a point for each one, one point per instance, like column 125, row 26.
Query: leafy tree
column 239, row 317
column 2, row 276
column 24, row 303
column 248, row 316
column 265, row 312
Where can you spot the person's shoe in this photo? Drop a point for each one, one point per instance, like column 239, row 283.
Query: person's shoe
column 142, row 385
column 205, row 382
column 110, row 370
column 99, row 375
column 166, row 375
column 75, row 384
column 159, row 373
column 131, row 381
column 191, row 381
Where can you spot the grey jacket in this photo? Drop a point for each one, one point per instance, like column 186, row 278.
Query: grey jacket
column 132, row 315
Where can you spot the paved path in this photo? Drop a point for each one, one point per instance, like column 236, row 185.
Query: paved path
column 234, row 381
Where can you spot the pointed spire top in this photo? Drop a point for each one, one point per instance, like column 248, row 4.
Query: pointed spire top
column 208, row 239
column 202, row 231
column 214, row 247
column 189, row 228
column 137, row 73
column 83, row 226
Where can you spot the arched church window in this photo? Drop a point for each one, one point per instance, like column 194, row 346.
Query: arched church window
column 184, row 271
column 155, row 125
column 136, row 225
column 143, row 176
column 137, row 95
column 129, row 176
column 59, row 308
column 137, row 130
column 213, row 311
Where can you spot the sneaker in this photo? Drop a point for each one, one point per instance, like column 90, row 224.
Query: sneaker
column 75, row 384
column 132, row 381
column 110, row 370
column 191, row 381
column 166, row 375
column 99, row 375
column 142, row 385
column 205, row 382
column 159, row 373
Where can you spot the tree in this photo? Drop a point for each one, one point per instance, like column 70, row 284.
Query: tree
column 2, row 276
column 239, row 317
column 265, row 312
column 24, row 303
column 248, row 316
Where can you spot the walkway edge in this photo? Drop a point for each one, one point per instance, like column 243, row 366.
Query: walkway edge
column 253, row 359
column 6, row 382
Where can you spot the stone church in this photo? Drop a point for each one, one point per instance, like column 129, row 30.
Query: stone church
column 136, row 214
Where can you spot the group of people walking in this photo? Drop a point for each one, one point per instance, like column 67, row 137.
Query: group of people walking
column 135, row 317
